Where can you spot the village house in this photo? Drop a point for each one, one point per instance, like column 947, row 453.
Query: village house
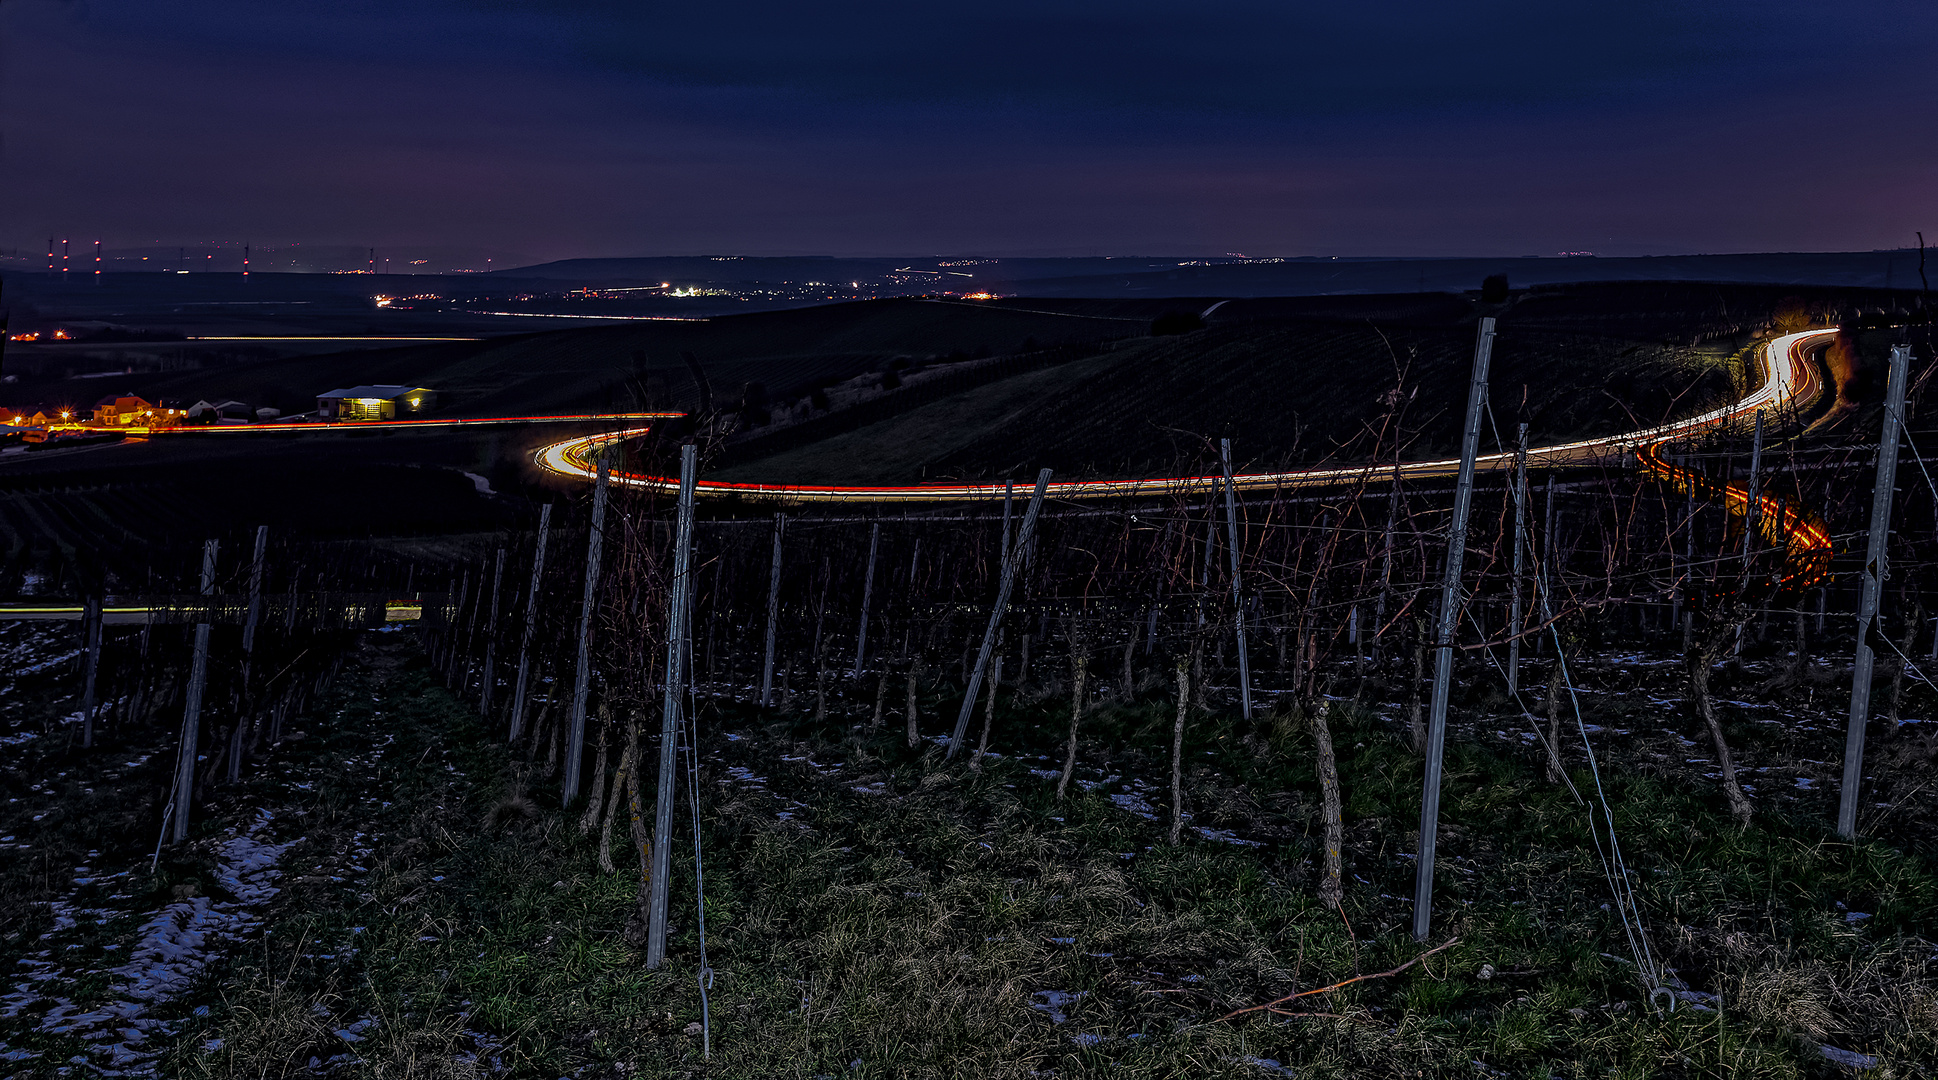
column 227, row 411
column 125, row 409
column 375, row 402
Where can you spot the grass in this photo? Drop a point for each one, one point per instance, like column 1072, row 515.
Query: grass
column 918, row 931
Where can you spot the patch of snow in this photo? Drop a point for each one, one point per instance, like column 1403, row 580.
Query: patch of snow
column 175, row 946
column 1697, row 999
column 1225, row 836
column 1136, row 805
column 1055, row 1002
column 1850, row 1059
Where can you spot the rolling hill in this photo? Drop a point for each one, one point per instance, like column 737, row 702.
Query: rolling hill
column 577, row 370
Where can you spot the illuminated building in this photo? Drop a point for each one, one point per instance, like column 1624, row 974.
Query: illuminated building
column 375, row 402
column 124, row 409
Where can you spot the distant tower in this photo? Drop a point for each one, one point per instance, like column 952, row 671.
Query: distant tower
column 245, row 260
column 373, row 260
column 64, row 263
column 97, row 262
column 50, row 254
column 181, row 260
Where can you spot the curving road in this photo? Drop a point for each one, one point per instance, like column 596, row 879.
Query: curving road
column 1789, row 379
column 1799, row 531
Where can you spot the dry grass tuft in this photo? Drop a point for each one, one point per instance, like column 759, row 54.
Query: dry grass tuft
column 272, row 1029
column 1799, row 996
column 515, row 805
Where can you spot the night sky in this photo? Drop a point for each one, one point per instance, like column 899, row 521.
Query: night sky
column 1004, row 127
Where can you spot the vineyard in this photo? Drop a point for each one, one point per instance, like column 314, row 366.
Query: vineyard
column 606, row 787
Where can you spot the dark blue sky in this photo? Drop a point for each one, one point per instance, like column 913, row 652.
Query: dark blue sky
column 549, row 130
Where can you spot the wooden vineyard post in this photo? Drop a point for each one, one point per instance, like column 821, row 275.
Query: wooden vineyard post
column 989, row 706
column 867, row 597
column 1177, row 748
column 1450, row 605
column 1352, row 638
column 490, row 679
column 1009, row 497
column 1749, row 521
column 773, row 613
column 531, row 627
column 687, row 667
column 91, row 663
column 1079, row 685
column 1547, row 551
column 456, row 645
column 1875, row 571
column 1689, row 569
column 198, row 673
column 1385, row 567
column 1237, row 592
column 251, row 619
column 1514, row 611
column 254, row 615
column 669, row 731
column 582, row 681
column 1211, row 541
column 1024, row 533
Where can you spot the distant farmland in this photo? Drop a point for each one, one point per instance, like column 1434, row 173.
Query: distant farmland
column 580, row 369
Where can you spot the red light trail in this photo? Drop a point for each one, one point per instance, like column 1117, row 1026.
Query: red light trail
column 1788, row 377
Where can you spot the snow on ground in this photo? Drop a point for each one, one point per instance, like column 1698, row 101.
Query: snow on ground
column 30, row 652
column 173, row 946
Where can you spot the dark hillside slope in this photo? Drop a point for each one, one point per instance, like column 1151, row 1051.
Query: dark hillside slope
column 1287, row 387
column 588, row 369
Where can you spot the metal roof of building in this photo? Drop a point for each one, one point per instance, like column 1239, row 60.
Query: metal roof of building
column 371, row 392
